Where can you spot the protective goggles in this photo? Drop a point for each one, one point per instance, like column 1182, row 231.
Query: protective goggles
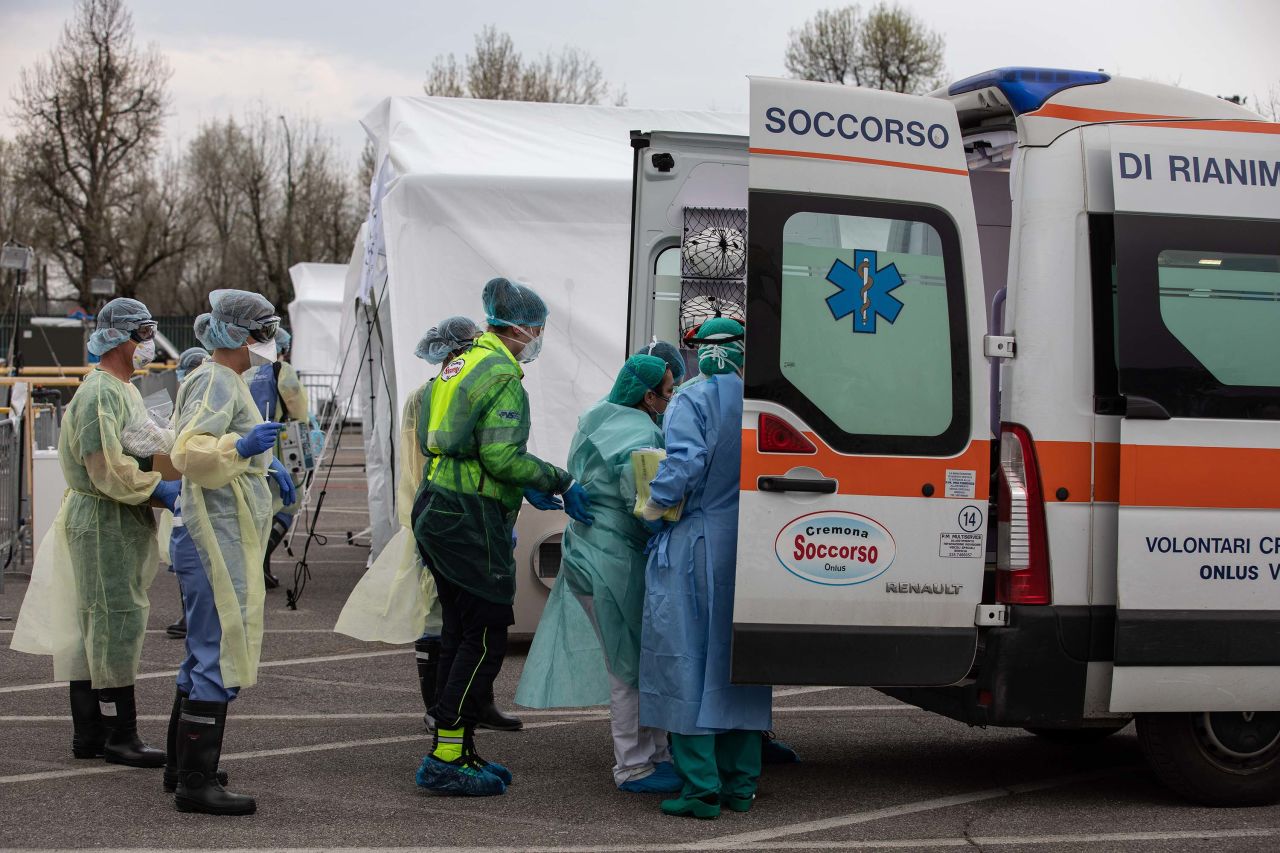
column 146, row 331
column 264, row 329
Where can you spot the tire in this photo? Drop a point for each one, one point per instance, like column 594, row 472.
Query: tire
column 1077, row 737
column 1224, row 758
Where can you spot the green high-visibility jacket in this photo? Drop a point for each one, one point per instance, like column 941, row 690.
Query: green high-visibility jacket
column 473, row 431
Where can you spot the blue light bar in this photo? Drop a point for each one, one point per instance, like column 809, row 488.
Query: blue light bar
column 1028, row 88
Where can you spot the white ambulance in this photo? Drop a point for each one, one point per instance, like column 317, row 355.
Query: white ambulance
column 1011, row 437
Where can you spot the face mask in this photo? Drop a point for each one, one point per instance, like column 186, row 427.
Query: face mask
column 531, row 349
column 262, row 352
column 143, row 354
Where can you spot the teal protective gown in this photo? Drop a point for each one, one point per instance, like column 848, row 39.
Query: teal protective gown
column 605, row 561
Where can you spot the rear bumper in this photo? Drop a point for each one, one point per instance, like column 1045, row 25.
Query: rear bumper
column 1031, row 672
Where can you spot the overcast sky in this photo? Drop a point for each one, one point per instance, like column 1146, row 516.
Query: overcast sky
column 334, row 60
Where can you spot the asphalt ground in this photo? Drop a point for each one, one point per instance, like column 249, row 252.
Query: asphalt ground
column 329, row 740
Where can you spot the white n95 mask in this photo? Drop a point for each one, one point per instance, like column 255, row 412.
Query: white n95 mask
column 143, row 354
column 262, row 352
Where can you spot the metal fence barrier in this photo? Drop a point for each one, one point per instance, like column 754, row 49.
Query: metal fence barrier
column 322, row 394
column 10, row 493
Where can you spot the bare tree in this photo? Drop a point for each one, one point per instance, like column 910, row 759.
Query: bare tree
column 90, row 117
column 238, row 177
column 888, row 49
column 19, row 220
column 497, row 71
column 824, row 49
column 447, row 78
column 572, row 77
column 899, row 53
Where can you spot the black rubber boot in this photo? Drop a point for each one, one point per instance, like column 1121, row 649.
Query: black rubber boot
column 489, row 717
column 200, row 729
column 278, row 531
column 123, row 746
column 171, row 753
column 89, row 733
column 427, row 653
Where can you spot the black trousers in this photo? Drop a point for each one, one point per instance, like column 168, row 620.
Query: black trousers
column 473, row 643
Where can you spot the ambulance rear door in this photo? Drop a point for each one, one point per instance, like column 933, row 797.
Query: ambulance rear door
column 674, row 173
column 866, row 445
column 1197, row 272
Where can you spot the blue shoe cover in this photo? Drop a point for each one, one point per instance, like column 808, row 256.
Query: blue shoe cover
column 663, row 780
column 775, row 751
column 496, row 769
column 460, row 780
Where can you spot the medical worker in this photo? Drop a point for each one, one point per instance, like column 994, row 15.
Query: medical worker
column 87, row 603
column 603, row 566
column 688, row 613
column 474, row 434
column 669, row 354
column 280, row 396
column 189, row 360
column 718, row 334
column 223, row 450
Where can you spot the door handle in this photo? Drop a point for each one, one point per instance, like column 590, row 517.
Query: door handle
column 796, row 484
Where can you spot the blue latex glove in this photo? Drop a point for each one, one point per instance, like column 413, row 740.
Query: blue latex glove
column 542, row 500
column 288, row 493
column 578, row 505
column 259, row 440
column 514, row 540
column 167, row 492
column 656, row 526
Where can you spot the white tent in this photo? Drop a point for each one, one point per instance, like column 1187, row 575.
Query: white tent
column 315, row 317
column 468, row 190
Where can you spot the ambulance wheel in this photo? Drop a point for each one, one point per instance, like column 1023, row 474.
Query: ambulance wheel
column 1219, row 758
column 1077, row 737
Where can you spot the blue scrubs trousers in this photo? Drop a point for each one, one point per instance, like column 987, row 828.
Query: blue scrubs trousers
column 200, row 675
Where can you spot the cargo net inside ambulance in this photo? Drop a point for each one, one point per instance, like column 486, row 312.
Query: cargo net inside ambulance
column 713, row 266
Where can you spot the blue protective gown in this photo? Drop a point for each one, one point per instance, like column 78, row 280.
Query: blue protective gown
column 689, row 580
column 266, row 395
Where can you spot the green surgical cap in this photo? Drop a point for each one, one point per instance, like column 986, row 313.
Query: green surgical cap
column 720, row 346
column 639, row 374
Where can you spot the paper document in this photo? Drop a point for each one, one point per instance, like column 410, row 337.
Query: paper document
column 644, row 462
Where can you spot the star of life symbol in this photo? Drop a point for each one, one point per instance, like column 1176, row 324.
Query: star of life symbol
column 865, row 291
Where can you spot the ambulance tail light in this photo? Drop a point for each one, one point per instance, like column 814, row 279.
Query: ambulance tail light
column 1022, row 568
column 777, row 436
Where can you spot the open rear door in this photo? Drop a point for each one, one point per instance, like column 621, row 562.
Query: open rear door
column 866, row 447
column 1197, row 270
column 674, row 173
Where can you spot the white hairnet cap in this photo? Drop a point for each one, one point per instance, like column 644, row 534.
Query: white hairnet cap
column 509, row 303
column 114, row 322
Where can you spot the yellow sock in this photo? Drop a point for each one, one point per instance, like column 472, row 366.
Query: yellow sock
column 448, row 744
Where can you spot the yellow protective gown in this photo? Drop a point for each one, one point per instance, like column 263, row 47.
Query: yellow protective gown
column 226, row 507
column 100, row 556
column 395, row 601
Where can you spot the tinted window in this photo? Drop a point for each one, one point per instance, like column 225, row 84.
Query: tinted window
column 1199, row 315
column 1225, row 308
column 895, row 380
column 856, row 322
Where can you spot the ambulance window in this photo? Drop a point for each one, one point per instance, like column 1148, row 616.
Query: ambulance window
column 666, row 294
column 1225, row 308
column 866, row 337
column 1198, row 307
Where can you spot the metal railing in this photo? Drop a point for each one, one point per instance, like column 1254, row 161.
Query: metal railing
column 322, row 394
